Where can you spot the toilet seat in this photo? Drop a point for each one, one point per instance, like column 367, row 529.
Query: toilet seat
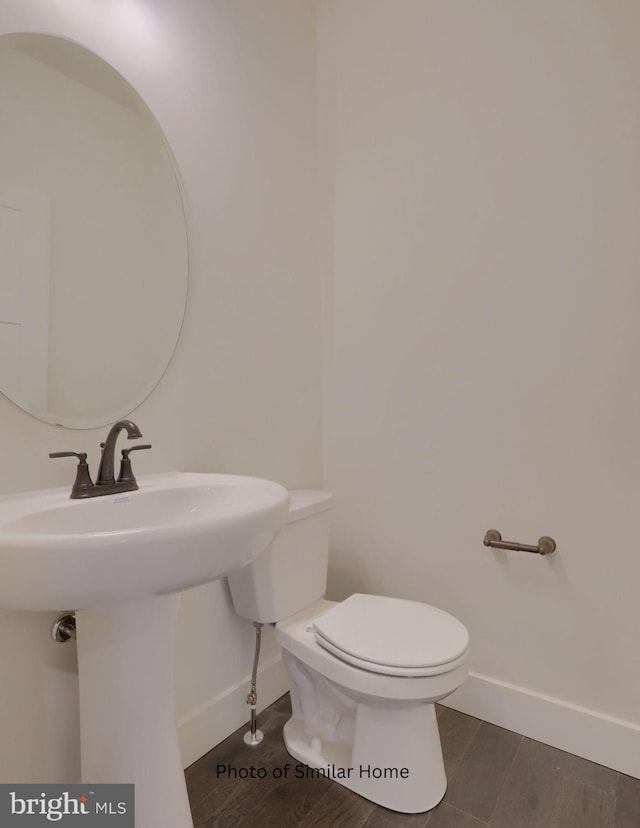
column 392, row 636
column 296, row 637
column 386, row 669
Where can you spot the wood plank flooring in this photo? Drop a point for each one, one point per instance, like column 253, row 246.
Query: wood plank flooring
column 497, row 779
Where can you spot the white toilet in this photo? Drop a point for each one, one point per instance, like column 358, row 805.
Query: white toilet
column 364, row 673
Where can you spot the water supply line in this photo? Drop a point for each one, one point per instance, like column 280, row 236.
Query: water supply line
column 254, row 736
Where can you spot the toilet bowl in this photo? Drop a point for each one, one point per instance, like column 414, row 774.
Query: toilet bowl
column 364, row 673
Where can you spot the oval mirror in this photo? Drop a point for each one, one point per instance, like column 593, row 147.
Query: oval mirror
column 93, row 243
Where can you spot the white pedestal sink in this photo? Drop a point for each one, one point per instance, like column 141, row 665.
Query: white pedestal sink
column 120, row 562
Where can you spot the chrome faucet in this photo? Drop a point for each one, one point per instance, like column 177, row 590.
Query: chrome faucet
column 105, row 482
column 105, row 469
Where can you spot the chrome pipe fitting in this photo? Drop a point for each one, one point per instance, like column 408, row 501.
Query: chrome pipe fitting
column 64, row 628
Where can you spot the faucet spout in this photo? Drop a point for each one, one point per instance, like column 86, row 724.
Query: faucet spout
column 105, row 471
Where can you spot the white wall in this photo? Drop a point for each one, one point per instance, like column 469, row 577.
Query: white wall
column 480, row 182
column 232, row 85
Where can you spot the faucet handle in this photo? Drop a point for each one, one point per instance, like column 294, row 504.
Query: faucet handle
column 83, row 483
column 126, row 472
column 82, row 455
column 126, row 451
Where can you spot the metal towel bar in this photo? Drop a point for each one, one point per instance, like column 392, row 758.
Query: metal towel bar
column 546, row 545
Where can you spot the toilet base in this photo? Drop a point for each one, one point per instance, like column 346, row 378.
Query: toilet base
column 395, row 759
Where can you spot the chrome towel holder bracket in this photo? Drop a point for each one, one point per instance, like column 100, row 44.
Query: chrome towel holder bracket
column 546, row 545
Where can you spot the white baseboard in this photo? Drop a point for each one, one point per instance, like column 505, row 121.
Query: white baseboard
column 603, row 739
column 203, row 728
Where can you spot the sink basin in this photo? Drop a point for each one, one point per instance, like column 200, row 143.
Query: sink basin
column 177, row 531
column 120, row 561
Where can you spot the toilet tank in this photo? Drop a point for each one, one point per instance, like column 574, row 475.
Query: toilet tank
column 292, row 573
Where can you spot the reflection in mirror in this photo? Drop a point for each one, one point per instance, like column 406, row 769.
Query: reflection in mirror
column 93, row 245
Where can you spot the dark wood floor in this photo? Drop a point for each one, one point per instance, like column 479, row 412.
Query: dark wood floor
column 496, row 778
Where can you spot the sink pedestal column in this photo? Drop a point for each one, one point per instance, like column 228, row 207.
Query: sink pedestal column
column 128, row 726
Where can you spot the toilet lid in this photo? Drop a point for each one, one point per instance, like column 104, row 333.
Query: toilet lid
column 392, row 635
